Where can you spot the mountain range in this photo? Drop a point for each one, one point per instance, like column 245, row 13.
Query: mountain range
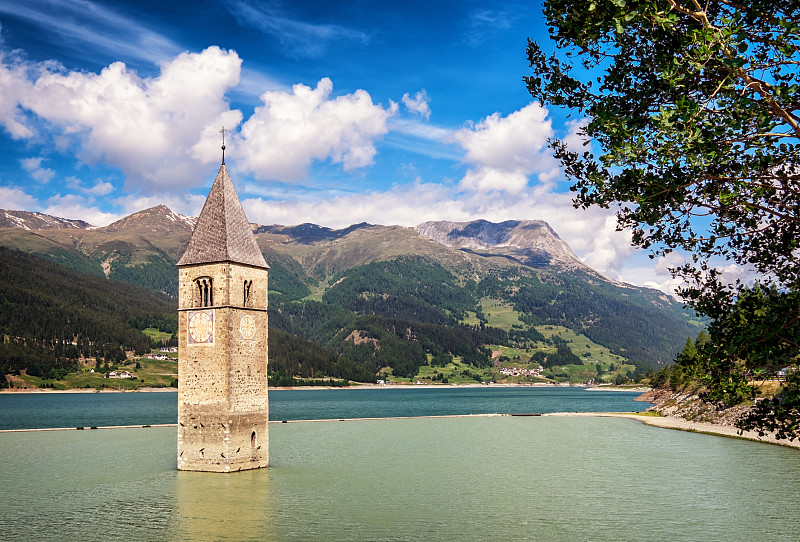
column 384, row 295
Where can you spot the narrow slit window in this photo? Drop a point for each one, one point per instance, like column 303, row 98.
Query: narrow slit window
column 247, row 285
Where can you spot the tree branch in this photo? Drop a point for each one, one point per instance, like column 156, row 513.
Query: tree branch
column 760, row 87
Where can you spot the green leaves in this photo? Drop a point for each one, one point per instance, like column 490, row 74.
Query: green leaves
column 696, row 115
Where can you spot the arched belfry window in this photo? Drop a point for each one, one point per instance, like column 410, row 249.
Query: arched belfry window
column 204, row 292
column 246, row 297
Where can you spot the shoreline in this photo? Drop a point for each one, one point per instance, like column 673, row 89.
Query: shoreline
column 705, row 428
column 661, row 422
column 637, row 389
column 15, row 391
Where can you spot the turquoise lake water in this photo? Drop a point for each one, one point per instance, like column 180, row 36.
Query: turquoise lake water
column 460, row 479
column 37, row 410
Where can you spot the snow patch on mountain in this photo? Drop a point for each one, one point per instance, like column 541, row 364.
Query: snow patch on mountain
column 28, row 220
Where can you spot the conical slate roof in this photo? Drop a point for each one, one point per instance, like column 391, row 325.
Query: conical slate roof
column 223, row 233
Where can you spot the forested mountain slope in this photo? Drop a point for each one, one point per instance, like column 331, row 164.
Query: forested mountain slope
column 51, row 316
column 53, row 320
column 391, row 298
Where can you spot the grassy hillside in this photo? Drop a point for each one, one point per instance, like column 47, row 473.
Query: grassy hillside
column 392, row 301
column 399, row 317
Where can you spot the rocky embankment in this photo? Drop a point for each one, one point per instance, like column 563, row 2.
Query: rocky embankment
column 689, row 406
column 686, row 411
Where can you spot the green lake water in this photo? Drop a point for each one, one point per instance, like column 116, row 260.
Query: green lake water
column 460, row 479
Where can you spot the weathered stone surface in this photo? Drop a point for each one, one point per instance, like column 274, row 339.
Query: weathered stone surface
column 216, row 440
column 223, row 408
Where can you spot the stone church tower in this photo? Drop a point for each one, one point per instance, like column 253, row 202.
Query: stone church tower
column 222, row 333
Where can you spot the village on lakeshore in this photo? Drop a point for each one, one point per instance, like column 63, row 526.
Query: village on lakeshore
column 157, row 369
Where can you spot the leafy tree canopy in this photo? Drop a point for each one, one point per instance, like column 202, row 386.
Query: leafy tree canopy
column 694, row 108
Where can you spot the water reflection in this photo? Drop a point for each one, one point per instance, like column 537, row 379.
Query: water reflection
column 213, row 506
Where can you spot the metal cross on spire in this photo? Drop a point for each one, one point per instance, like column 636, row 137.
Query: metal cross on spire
column 223, row 144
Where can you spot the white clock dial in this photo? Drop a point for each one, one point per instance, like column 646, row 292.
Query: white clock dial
column 201, row 327
column 247, row 327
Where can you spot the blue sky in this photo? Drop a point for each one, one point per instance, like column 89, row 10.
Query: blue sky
column 337, row 113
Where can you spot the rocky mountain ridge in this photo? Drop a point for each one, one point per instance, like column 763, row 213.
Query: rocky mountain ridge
column 28, row 220
column 321, row 251
column 453, row 277
column 532, row 242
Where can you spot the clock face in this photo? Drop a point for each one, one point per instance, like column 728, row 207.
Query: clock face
column 201, row 327
column 247, row 327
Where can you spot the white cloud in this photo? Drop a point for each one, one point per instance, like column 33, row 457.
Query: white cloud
column 73, row 182
column 604, row 246
column 657, row 275
column 422, row 138
column 78, row 208
column 505, row 151
column 283, row 136
column 163, row 131
column 508, row 143
column 253, row 82
column 185, row 204
column 159, row 131
column 730, row 273
column 488, row 179
column 421, row 130
column 15, row 199
column 654, row 273
column 14, row 84
column 636, row 267
column 403, row 205
column 101, row 188
column 418, row 104
column 34, row 168
column 576, row 139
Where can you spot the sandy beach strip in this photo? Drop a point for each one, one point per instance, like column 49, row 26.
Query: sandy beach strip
column 663, row 422
column 680, row 424
column 37, row 429
column 33, row 430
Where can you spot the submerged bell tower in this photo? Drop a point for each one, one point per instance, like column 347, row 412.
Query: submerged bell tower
column 223, row 410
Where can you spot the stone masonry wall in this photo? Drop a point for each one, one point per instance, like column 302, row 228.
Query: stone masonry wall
column 222, row 392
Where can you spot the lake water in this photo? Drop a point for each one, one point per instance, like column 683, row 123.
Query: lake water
column 37, row 410
column 460, row 479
